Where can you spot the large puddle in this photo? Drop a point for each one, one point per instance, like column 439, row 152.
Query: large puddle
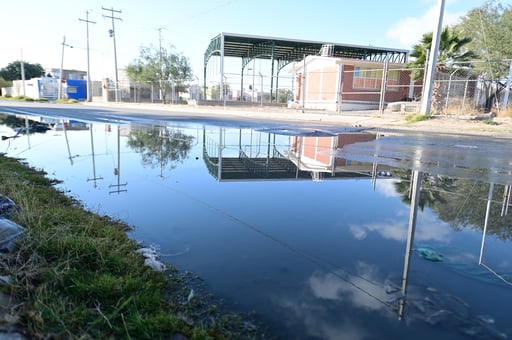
column 323, row 234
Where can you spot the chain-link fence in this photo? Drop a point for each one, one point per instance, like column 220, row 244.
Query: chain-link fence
column 470, row 88
column 335, row 85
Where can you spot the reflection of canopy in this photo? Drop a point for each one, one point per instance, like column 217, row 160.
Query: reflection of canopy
column 273, row 164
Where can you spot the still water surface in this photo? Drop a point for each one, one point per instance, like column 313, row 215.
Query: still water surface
column 311, row 229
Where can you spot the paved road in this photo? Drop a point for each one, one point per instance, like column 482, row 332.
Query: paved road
column 260, row 117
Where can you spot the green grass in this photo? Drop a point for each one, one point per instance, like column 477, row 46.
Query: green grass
column 417, row 118
column 77, row 274
column 489, row 122
column 24, row 99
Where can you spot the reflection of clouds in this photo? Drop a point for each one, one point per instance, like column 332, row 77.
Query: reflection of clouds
column 319, row 322
column 362, row 290
column 428, row 228
column 326, row 314
column 387, row 187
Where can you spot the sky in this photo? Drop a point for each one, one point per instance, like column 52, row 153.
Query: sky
column 34, row 30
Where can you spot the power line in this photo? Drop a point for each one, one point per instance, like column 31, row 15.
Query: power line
column 112, row 33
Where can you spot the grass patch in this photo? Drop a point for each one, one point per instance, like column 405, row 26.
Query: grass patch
column 24, row 99
column 417, row 118
column 77, row 274
column 66, row 101
column 489, row 122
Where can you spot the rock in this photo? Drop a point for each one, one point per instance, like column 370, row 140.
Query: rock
column 9, row 231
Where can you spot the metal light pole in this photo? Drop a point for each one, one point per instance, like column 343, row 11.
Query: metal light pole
column 87, row 21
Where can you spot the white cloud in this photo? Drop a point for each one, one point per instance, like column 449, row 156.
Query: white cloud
column 409, row 30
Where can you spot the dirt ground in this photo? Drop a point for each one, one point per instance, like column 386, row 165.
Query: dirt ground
column 497, row 127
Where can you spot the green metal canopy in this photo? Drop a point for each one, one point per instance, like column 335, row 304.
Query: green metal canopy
column 286, row 51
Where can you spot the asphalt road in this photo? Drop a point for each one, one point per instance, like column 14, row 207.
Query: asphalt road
column 256, row 117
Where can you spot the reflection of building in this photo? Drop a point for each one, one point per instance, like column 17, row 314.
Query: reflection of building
column 316, row 154
column 271, row 156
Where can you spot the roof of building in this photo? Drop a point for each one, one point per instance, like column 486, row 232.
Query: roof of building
column 286, row 51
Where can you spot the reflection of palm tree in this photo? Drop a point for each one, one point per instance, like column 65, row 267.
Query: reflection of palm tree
column 458, row 202
column 430, row 186
column 160, row 147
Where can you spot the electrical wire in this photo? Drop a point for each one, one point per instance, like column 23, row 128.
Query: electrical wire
column 322, row 263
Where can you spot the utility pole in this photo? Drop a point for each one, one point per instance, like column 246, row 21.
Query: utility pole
column 87, row 22
column 426, row 97
column 161, row 64
column 61, row 75
column 113, row 35
column 22, row 74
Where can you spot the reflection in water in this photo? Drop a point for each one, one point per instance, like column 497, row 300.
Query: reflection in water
column 319, row 233
column 118, row 187
column 274, row 156
column 160, row 146
column 94, row 178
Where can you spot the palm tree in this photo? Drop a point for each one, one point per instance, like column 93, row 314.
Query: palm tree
column 452, row 55
column 451, row 51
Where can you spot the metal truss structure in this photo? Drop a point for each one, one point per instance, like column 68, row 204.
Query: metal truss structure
column 282, row 52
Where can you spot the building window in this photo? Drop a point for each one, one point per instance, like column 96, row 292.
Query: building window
column 371, row 79
column 393, row 80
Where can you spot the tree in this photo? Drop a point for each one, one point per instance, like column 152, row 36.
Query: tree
column 452, row 50
column 284, row 96
column 443, row 195
column 13, row 71
column 452, row 55
column 5, row 83
column 161, row 68
column 215, row 91
column 490, row 30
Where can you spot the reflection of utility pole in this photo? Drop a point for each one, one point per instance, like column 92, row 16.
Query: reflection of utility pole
column 162, row 136
column 67, row 141
column 27, row 130
column 87, row 21
column 486, row 221
column 117, row 171
column 416, row 188
column 94, row 178
column 113, row 35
